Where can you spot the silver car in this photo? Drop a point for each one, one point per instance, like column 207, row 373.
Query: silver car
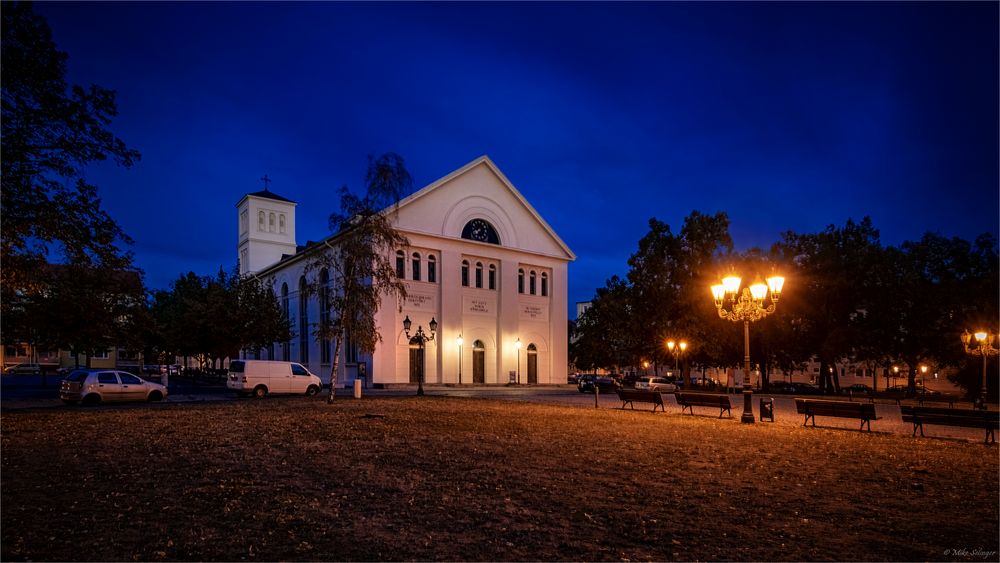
column 98, row 385
column 661, row 384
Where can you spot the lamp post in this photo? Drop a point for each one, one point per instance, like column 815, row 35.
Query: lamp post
column 645, row 367
column 422, row 339
column 517, row 345
column 747, row 306
column 677, row 350
column 985, row 346
column 895, row 374
column 459, row 341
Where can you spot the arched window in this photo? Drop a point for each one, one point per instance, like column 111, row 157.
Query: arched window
column 400, row 265
column 416, row 266
column 493, row 276
column 465, row 273
column 432, row 273
column 270, row 222
column 531, row 282
column 261, row 225
column 479, row 275
column 281, row 223
column 545, row 284
column 481, row 231
column 303, row 322
column 285, row 356
column 324, row 314
column 520, row 280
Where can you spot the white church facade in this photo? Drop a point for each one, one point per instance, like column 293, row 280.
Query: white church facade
column 482, row 263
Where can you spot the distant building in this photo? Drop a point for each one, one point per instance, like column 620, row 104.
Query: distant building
column 481, row 262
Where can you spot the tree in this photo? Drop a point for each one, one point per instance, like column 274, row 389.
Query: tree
column 359, row 265
column 831, row 288
column 51, row 132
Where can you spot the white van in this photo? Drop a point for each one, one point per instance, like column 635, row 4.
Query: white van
column 261, row 377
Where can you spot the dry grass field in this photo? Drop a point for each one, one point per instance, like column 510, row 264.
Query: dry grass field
column 469, row 479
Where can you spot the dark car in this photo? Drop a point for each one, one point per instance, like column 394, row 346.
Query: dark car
column 781, row 387
column 805, row 389
column 586, row 383
column 856, row 389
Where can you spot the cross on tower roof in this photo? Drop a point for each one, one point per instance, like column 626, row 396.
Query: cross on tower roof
column 266, row 181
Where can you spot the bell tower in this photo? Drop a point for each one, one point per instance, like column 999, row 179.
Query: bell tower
column 266, row 226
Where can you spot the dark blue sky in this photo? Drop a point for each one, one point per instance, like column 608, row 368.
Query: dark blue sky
column 786, row 116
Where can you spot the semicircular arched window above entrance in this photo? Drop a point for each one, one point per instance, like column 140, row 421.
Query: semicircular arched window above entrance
column 480, row 230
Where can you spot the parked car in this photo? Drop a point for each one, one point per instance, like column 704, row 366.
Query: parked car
column 586, row 383
column 856, row 389
column 661, row 384
column 24, row 369
column 781, row 387
column 262, row 377
column 92, row 386
column 572, row 378
column 799, row 388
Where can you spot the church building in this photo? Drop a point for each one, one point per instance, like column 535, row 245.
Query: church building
column 482, row 264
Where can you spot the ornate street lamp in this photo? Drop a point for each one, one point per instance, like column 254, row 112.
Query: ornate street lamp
column 677, row 349
column 985, row 346
column 459, row 341
column 422, row 339
column 748, row 307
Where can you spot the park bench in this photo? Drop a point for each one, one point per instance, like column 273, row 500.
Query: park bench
column 688, row 400
column 630, row 396
column 812, row 408
column 968, row 418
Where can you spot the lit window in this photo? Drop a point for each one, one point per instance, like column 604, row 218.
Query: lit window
column 416, row 266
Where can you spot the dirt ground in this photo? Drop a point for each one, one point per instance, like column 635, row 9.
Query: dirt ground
column 469, row 479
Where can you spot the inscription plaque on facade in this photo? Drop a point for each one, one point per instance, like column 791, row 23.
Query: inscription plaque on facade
column 420, row 302
column 479, row 305
column 534, row 312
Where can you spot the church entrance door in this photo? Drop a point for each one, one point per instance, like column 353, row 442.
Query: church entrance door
column 416, row 361
column 478, row 362
column 532, row 364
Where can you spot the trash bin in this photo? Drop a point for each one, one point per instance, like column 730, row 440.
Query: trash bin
column 766, row 409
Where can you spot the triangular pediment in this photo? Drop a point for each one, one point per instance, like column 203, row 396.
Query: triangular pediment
column 479, row 190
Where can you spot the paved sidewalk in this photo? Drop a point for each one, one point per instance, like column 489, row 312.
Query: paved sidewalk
column 21, row 392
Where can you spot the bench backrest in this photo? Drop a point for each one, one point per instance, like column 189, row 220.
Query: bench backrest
column 945, row 415
column 701, row 399
column 640, row 394
column 834, row 408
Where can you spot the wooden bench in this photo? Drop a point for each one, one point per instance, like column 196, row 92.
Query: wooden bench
column 630, row 396
column 688, row 400
column 812, row 408
column 968, row 418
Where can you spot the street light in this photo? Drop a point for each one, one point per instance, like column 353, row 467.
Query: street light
column 459, row 341
column 518, row 346
column 422, row 339
column 985, row 347
column 895, row 374
column 677, row 349
column 747, row 307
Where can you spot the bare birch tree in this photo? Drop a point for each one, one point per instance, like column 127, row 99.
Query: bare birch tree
column 358, row 260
